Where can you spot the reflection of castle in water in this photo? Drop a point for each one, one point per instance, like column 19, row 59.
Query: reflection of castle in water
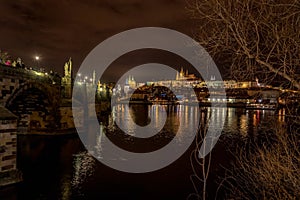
column 181, row 120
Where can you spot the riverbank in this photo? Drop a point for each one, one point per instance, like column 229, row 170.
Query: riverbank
column 189, row 103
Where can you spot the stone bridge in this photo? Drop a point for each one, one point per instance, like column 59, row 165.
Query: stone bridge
column 33, row 96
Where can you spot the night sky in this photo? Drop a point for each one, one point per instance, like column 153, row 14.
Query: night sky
column 56, row 30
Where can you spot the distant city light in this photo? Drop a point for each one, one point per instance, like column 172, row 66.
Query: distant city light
column 37, row 57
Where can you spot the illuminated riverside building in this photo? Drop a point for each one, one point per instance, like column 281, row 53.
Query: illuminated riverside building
column 243, row 92
column 228, row 84
column 184, row 79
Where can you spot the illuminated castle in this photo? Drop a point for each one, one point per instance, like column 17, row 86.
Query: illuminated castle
column 131, row 82
column 181, row 76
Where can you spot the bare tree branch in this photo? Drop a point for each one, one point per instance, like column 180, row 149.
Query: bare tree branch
column 256, row 38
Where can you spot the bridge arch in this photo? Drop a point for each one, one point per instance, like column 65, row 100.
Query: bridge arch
column 37, row 106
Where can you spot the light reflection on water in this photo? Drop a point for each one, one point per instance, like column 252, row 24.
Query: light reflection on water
column 182, row 122
column 181, row 118
column 59, row 168
column 83, row 168
column 237, row 121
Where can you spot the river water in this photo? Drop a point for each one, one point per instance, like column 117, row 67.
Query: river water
column 59, row 167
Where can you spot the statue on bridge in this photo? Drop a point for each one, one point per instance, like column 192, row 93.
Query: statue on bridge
column 68, row 68
column 67, row 79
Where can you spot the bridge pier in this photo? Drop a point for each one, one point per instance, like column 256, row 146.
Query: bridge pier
column 8, row 148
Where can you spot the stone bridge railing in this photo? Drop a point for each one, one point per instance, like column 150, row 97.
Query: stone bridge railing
column 12, row 78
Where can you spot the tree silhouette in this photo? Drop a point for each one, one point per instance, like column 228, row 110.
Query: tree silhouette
column 255, row 38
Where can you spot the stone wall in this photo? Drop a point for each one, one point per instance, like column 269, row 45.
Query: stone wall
column 67, row 120
column 8, row 145
column 8, row 148
column 7, row 87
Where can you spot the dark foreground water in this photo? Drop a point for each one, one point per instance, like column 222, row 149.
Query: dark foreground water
column 59, row 167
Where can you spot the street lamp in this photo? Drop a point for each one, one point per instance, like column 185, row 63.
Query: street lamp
column 37, row 58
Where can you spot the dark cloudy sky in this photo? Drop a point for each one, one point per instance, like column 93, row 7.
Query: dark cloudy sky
column 58, row 29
